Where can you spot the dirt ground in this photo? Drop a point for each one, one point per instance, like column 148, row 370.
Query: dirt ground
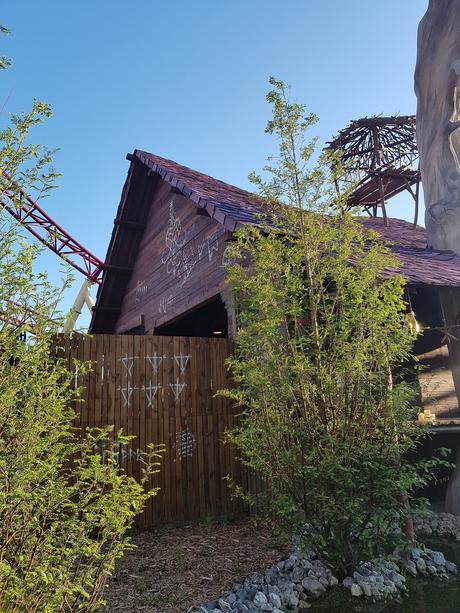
column 176, row 569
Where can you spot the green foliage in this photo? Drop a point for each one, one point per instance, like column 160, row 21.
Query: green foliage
column 5, row 62
column 65, row 508
column 321, row 329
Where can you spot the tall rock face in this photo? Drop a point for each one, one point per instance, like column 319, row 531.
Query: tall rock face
column 437, row 86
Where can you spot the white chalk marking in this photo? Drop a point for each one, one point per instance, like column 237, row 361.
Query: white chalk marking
column 75, row 376
column 150, row 393
column 128, row 363
column 155, row 361
column 185, row 443
column 182, row 361
column 127, row 393
column 140, row 291
column 177, row 388
column 165, row 304
column 129, row 454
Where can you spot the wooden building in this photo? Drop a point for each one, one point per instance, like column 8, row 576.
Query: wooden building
column 165, row 273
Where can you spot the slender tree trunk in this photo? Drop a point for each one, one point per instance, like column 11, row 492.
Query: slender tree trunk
column 408, row 521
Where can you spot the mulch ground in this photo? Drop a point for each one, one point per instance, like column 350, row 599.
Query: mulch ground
column 177, row 569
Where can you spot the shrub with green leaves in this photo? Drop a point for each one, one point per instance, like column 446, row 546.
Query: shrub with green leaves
column 65, row 508
column 321, row 332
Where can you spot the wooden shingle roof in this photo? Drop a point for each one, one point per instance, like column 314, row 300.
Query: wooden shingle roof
column 233, row 207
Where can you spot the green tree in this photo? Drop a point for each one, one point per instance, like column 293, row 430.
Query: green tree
column 321, row 330
column 65, row 509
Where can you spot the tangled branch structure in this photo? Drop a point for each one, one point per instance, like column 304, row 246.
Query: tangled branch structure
column 379, row 159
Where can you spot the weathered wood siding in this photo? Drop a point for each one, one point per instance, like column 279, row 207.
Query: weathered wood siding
column 162, row 390
column 437, row 388
column 178, row 264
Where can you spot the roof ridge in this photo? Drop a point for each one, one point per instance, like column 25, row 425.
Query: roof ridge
column 203, row 174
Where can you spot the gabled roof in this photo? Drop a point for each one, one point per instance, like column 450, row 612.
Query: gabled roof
column 229, row 205
column 234, row 207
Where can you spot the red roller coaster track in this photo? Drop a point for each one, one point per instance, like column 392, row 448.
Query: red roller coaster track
column 29, row 214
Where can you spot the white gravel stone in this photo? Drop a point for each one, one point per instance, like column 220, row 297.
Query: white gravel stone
column 275, row 600
column 313, row 586
column 367, row 589
column 260, row 599
column 356, row 590
column 421, row 565
column 293, row 600
column 438, row 558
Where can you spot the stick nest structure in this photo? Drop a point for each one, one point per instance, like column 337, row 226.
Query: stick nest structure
column 379, row 159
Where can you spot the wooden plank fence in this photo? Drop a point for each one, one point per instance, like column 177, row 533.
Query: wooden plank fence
column 162, row 389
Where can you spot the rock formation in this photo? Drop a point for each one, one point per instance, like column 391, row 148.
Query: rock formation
column 437, row 86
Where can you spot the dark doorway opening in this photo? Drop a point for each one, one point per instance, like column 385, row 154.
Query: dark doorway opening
column 207, row 320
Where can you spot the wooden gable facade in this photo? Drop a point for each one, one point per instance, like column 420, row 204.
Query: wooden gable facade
column 164, row 262
column 165, row 276
column 177, row 266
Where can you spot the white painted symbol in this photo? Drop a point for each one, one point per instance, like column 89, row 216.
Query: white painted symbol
column 140, row 291
column 173, row 239
column 128, row 363
column 201, row 247
column 155, row 361
column 177, row 388
column 150, row 393
column 175, row 257
column 165, row 304
column 129, row 454
column 123, row 453
column 180, row 257
column 127, row 393
column 182, row 361
column 185, row 443
column 188, row 264
column 211, row 244
column 102, row 369
column 101, row 448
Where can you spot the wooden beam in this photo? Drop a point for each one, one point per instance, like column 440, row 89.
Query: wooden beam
column 127, row 270
column 417, row 194
column 133, row 225
column 110, row 309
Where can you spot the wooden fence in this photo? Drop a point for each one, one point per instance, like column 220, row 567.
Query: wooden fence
column 162, row 389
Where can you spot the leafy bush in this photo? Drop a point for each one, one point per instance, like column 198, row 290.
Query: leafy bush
column 65, row 509
column 321, row 332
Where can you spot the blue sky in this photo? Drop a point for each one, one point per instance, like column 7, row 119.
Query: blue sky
column 186, row 79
